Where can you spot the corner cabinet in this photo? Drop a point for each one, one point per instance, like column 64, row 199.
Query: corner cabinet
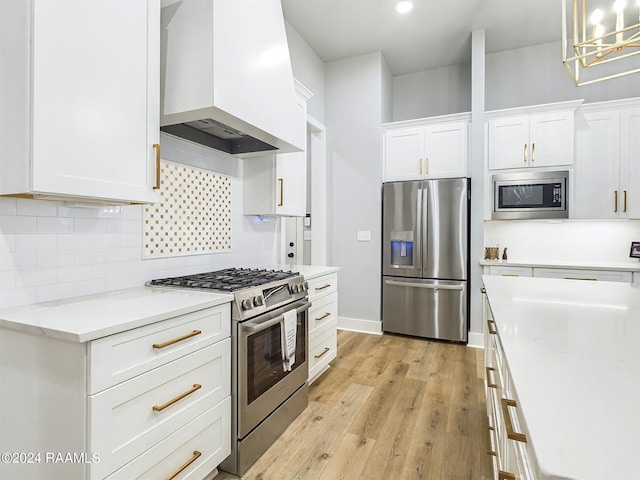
column 276, row 184
column 80, row 115
column 427, row 148
column 141, row 403
column 540, row 136
column 607, row 170
column 323, row 323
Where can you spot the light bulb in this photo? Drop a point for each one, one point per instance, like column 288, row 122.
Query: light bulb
column 618, row 6
column 404, row 7
column 597, row 16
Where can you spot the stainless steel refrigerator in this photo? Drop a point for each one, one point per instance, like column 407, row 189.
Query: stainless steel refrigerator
column 425, row 258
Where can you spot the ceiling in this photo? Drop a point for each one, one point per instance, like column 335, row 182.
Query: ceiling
column 434, row 34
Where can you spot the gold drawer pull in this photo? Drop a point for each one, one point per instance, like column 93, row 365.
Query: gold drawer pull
column 195, row 456
column 511, row 433
column 176, row 340
column 492, row 330
column 490, row 384
column 156, row 147
column 323, row 287
column 506, row 475
column 323, row 316
column 510, row 274
column 324, row 352
column 578, row 278
column 159, row 408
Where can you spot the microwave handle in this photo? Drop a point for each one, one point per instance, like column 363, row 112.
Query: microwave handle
column 255, row 327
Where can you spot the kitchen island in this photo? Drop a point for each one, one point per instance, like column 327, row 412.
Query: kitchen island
column 571, row 354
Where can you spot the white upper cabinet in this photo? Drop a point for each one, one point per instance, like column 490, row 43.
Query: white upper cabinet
column 82, row 88
column 417, row 149
column 607, row 169
column 276, row 184
column 531, row 139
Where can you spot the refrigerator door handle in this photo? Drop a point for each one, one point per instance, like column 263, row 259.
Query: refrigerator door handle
column 431, row 286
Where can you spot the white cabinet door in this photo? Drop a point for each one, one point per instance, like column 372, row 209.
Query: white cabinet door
column 446, row 150
column 630, row 162
column 597, row 168
column 551, row 139
column 291, row 191
column 95, row 99
column 509, row 142
column 404, row 154
column 535, row 140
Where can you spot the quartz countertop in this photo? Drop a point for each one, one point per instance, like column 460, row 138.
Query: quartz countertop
column 307, row 271
column 86, row 318
column 573, row 350
column 624, row 267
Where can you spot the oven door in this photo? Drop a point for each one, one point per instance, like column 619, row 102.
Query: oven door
column 263, row 384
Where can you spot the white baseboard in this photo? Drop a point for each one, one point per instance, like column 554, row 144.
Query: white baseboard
column 360, row 325
column 476, row 340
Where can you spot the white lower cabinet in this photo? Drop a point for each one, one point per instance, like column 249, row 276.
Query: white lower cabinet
column 513, row 457
column 323, row 321
column 507, row 271
column 559, row 272
column 142, row 403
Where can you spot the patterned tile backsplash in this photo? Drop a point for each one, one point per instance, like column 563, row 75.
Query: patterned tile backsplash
column 193, row 215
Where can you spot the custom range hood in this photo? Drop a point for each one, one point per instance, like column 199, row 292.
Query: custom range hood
column 226, row 78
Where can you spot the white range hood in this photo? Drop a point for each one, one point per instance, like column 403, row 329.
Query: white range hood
column 226, row 78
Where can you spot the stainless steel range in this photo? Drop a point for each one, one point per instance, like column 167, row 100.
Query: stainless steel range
column 266, row 395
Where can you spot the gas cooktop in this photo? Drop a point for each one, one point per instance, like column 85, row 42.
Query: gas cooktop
column 229, row 279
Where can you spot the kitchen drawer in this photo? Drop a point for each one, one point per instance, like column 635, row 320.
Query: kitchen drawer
column 207, row 434
column 129, row 406
column 322, row 311
column 322, row 350
column 322, row 285
column 122, row 356
column 580, row 274
column 511, row 271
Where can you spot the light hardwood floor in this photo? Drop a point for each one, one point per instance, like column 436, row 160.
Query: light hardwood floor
column 390, row 407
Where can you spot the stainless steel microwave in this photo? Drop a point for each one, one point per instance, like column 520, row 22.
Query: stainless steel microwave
column 530, row 195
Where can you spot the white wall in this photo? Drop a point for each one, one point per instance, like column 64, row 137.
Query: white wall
column 354, row 109
column 587, row 241
column 429, row 93
column 49, row 250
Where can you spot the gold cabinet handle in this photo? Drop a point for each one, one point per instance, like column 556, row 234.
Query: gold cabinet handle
column 323, row 287
column 508, row 423
column 510, row 275
column 533, row 152
column 483, row 290
column 420, row 161
column 506, row 475
column 324, row 352
column 624, row 201
column 615, row 201
column 492, row 450
column 281, row 182
column 159, row 408
column 492, row 330
column 490, row 384
column 323, row 316
column 176, row 340
column 156, row 147
column 578, row 278
column 426, row 166
column 196, row 455
column 525, row 153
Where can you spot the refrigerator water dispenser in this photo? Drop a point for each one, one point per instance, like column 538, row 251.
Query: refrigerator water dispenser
column 402, row 249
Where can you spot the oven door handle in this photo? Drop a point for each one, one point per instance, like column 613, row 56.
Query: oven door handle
column 252, row 327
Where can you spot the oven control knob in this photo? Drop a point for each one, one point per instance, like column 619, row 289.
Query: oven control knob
column 295, row 288
column 305, row 286
column 257, row 301
column 247, row 304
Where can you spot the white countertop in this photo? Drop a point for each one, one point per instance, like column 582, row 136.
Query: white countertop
column 86, row 318
column 307, row 271
column 624, row 267
column 573, row 350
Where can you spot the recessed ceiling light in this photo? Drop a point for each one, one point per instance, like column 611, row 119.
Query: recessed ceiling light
column 404, row 7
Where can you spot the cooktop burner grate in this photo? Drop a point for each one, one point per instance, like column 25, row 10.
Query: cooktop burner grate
column 229, row 280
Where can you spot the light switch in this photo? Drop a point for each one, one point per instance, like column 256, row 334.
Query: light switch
column 364, row 235
column 306, row 235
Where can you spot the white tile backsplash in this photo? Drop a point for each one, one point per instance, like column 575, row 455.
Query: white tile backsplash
column 53, row 250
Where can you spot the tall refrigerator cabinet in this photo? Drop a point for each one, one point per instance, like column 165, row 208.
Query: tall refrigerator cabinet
column 425, row 258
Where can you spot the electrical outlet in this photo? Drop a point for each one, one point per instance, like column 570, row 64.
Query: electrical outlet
column 306, row 235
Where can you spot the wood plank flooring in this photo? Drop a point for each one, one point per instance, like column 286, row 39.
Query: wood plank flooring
column 390, row 407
